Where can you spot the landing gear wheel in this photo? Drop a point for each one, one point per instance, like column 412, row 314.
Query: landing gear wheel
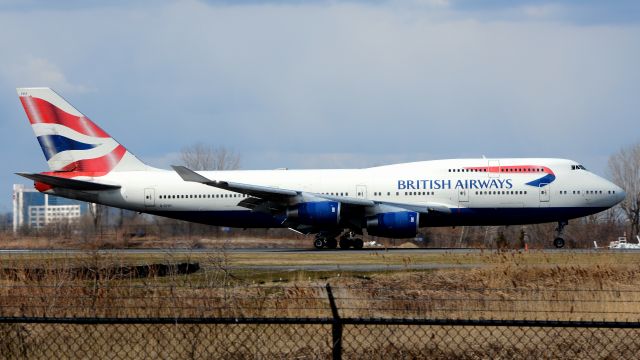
column 345, row 243
column 358, row 244
column 558, row 243
column 319, row 243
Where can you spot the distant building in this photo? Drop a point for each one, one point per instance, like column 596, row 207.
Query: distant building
column 35, row 209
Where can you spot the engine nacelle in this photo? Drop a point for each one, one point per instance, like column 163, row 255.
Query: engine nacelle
column 402, row 224
column 315, row 213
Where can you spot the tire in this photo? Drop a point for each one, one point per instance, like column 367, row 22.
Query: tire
column 345, row 243
column 358, row 244
column 558, row 243
column 319, row 243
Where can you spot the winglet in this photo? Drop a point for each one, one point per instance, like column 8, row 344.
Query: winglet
column 189, row 175
column 254, row 190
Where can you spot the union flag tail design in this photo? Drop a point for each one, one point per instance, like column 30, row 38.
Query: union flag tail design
column 70, row 141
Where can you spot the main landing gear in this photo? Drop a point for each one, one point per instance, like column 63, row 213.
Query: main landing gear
column 558, row 242
column 349, row 240
column 325, row 240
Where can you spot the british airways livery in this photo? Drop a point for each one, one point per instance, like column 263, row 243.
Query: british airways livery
column 336, row 205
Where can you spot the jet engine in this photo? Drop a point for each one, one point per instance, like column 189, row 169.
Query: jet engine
column 402, row 224
column 315, row 213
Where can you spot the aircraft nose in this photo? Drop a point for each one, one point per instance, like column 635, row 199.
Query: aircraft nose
column 621, row 194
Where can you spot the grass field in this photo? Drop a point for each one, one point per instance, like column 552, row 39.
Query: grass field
column 499, row 285
column 533, row 285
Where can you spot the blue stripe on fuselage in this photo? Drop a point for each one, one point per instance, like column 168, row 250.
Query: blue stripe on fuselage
column 458, row 217
column 506, row 216
column 239, row 218
column 545, row 180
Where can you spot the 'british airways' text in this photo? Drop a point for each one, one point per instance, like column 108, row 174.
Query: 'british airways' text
column 458, row 184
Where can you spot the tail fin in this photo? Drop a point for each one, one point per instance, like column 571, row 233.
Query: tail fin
column 70, row 141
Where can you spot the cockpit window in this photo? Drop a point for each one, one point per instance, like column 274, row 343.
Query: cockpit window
column 578, row 167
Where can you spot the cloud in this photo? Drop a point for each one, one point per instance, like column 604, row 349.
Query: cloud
column 583, row 13
column 544, row 11
column 34, row 71
column 332, row 84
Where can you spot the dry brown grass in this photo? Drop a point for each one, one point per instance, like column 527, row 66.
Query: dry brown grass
column 503, row 292
column 537, row 285
column 534, row 285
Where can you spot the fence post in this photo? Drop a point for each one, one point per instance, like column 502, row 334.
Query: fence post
column 336, row 326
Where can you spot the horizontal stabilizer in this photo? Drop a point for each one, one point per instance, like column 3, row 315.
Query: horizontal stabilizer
column 72, row 184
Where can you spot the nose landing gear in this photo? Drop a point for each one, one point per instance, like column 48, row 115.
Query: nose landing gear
column 558, row 242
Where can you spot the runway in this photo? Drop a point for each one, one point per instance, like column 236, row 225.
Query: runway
column 353, row 268
column 299, row 259
column 182, row 251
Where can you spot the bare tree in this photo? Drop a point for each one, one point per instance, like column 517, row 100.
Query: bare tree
column 624, row 167
column 205, row 157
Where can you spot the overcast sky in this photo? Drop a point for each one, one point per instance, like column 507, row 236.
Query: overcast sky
column 304, row 84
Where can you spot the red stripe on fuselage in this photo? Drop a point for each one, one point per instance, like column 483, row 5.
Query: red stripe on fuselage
column 41, row 111
column 512, row 169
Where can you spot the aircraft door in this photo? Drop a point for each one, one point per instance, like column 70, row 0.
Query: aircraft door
column 361, row 191
column 149, row 197
column 463, row 195
column 494, row 168
column 545, row 193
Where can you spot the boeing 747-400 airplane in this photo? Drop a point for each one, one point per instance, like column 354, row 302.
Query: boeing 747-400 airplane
column 392, row 201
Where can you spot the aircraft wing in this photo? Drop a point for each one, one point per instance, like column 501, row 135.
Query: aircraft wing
column 288, row 196
column 429, row 207
column 264, row 192
column 65, row 183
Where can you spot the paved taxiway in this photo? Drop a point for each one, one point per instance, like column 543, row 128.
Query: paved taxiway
column 272, row 267
column 185, row 251
column 323, row 255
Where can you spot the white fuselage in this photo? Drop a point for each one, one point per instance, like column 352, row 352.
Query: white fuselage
column 478, row 191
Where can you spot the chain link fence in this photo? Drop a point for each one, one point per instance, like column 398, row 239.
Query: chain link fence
column 276, row 338
column 293, row 322
column 182, row 300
